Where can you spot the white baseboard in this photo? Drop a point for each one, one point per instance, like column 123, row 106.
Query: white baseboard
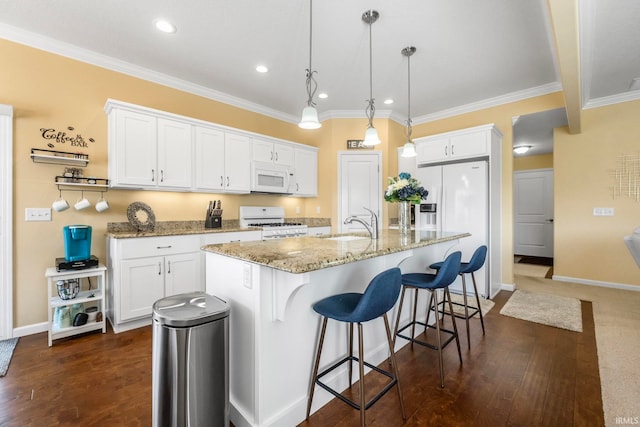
column 36, row 328
column 508, row 287
column 589, row 282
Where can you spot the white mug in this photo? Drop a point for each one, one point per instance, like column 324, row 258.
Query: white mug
column 82, row 204
column 60, row 205
column 102, row 205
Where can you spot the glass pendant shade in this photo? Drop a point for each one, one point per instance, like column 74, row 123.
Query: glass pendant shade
column 371, row 137
column 309, row 118
column 409, row 149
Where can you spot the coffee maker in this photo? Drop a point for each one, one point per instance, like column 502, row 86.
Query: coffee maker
column 77, row 248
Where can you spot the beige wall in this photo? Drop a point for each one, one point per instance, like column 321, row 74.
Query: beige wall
column 543, row 161
column 51, row 91
column 586, row 246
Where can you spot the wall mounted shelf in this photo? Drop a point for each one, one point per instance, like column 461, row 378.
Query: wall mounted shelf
column 82, row 184
column 59, row 157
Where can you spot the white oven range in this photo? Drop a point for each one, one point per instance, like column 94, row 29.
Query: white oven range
column 271, row 220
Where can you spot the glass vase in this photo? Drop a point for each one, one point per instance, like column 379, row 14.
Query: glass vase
column 404, row 217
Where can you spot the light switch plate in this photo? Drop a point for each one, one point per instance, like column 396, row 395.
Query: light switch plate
column 37, row 214
column 603, row 211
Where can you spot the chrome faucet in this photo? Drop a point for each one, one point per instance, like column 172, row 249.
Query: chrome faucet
column 372, row 228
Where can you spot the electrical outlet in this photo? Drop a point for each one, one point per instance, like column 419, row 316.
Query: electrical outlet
column 602, row 211
column 297, row 209
column 246, row 276
column 317, row 209
column 37, row 214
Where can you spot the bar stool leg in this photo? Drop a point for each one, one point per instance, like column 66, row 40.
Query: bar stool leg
column 434, row 296
column 426, row 321
column 466, row 310
column 394, row 365
column 350, row 353
column 361, row 367
column 453, row 319
column 415, row 308
column 475, row 289
column 398, row 319
column 316, row 364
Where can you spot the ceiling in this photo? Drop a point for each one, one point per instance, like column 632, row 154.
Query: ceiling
column 470, row 54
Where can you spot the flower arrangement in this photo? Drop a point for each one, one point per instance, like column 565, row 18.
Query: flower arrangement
column 404, row 188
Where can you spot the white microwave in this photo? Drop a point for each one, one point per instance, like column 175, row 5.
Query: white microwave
column 272, row 178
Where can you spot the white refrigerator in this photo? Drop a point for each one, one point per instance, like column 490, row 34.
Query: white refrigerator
column 461, row 194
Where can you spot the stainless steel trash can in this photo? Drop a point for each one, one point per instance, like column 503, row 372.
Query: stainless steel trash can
column 190, row 361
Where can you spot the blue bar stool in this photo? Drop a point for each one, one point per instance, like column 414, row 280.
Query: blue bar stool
column 475, row 263
column 379, row 297
column 431, row 282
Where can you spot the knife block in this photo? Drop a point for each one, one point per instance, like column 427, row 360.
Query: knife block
column 215, row 220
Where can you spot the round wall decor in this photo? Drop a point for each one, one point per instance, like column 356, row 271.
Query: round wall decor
column 141, row 216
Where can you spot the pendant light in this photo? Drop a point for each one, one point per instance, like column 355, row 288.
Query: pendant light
column 409, row 149
column 309, row 113
column 371, row 135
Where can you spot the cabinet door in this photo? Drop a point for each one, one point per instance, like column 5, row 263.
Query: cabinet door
column 432, row 150
column 283, row 154
column 174, row 154
column 209, row 159
column 469, row 145
column 262, row 150
column 134, row 143
column 142, row 284
column 237, row 163
column 306, row 170
column 184, row 273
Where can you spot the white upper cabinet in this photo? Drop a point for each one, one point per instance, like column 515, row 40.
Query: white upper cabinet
column 209, row 157
column 457, row 145
column 237, row 167
column 174, row 154
column 268, row 151
column 147, row 151
column 306, row 172
column 222, row 161
column 132, row 148
column 156, row 150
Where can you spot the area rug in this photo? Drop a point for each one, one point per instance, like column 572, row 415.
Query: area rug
column 553, row 310
column 6, row 352
column 485, row 304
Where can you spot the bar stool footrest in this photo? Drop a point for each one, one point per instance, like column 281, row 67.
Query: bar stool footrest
column 472, row 310
column 348, row 401
column 424, row 343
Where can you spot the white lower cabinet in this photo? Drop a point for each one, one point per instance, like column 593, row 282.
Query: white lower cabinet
column 146, row 280
column 143, row 270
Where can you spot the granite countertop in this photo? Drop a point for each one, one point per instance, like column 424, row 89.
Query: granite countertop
column 124, row 230
column 304, row 254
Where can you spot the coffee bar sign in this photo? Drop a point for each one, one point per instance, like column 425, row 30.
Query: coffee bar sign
column 357, row 144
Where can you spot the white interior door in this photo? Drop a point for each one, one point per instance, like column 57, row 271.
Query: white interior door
column 533, row 212
column 6, row 222
column 359, row 186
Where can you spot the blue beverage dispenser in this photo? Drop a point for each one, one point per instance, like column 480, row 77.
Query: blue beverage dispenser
column 77, row 242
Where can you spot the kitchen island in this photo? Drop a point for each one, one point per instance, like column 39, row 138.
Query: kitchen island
column 271, row 286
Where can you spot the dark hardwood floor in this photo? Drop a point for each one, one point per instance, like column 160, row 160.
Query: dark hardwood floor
column 519, row 374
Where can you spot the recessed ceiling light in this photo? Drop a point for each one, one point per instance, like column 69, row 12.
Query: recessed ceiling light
column 165, row 26
column 388, row 101
column 262, row 69
column 323, row 95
